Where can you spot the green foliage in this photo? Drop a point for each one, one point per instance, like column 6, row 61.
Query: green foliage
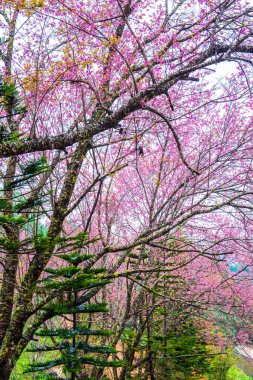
column 219, row 366
column 22, row 363
column 29, row 172
column 75, row 242
column 3, row 203
column 75, row 258
column 27, row 204
column 14, row 220
column 235, row 373
column 10, row 97
column 183, row 352
column 68, row 333
column 35, row 166
column 19, row 202
column 72, row 362
column 60, row 309
column 70, row 347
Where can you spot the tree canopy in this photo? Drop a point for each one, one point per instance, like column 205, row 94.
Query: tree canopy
column 126, row 140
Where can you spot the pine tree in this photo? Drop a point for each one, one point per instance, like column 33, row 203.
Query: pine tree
column 71, row 342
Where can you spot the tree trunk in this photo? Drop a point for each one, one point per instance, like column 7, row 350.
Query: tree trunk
column 6, row 368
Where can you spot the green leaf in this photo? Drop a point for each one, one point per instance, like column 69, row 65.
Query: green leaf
column 74, row 258
column 3, row 203
column 64, row 272
column 70, row 333
column 14, row 220
column 61, row 309
column 69, row 347
column 35, row 166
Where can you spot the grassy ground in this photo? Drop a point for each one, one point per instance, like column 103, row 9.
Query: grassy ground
column 236, row 374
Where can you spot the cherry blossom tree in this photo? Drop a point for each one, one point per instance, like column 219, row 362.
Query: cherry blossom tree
column 130, row 120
